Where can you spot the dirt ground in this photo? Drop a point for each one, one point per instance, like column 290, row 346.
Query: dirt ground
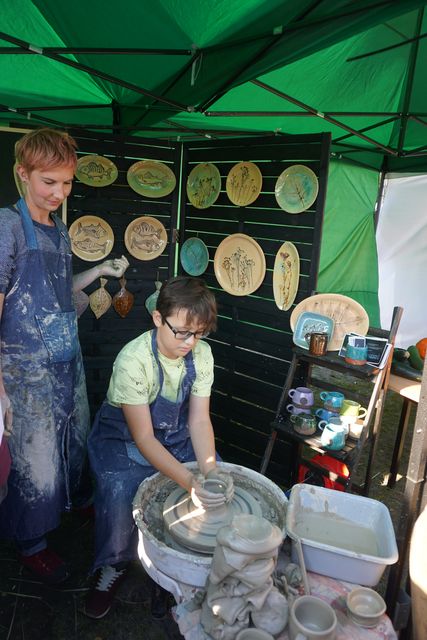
column 31, row 611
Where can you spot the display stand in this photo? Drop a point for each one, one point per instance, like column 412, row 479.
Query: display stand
column 364, row 384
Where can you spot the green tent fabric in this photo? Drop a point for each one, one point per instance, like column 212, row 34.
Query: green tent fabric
column 348, row 259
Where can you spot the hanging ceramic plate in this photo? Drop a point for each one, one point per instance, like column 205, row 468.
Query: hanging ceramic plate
column 96, row 171
column 309, row 322
column 145, row 238
column 194, row 256
column 91, row 238
column 348, row 315
column 286, row 275
column 18, row 182
column 296, row 188
column 239, row 264
column 151, row 179
column 244, row 183
column 203, row 185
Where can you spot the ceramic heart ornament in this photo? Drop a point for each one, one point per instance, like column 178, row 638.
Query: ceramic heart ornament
column 123, row 300
column 100, row 300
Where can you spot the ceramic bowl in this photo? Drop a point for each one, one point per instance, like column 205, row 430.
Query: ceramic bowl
column 365, row 606
column 253, row 634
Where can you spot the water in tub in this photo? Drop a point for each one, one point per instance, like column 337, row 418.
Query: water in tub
column 331, row 529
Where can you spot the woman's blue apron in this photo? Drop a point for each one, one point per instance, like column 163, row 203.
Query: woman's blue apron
column 44, row 379
column 119, row 467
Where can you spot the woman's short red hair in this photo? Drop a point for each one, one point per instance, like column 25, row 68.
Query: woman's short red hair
column 45, row 149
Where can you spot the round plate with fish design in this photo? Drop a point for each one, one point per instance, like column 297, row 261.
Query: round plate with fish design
column 91, row 238
column 244, row 183
column 203, row 185
column 145, row 238
column 151, row 179
column 96, row 171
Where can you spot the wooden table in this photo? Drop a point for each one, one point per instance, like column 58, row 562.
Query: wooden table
column 410, row 392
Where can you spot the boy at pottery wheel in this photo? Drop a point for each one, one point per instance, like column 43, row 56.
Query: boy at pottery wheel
column 155, row 417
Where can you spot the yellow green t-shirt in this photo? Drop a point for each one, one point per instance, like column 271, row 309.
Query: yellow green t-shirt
column 135, row 377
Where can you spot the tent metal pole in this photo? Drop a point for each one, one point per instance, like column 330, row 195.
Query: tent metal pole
column 409, row 83
column 91, row 71
column 99, row 51
column 384, row 49
column 354, row 132
column 292, row 114
column 369, row 128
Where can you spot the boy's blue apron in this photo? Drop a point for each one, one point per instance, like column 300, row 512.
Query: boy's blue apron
column 44, row 379
column 119, row 467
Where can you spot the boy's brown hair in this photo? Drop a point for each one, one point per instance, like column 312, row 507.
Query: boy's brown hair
column 191, row 294
column 45, row 149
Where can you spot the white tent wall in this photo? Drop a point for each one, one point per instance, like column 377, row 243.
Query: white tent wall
column 402, row 255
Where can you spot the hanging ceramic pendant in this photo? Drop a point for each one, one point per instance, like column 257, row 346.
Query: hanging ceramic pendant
column 151, row 301
column 81, row 302
column 123, row 300
column 100, row 300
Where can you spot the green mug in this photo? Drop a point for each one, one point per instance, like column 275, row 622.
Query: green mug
column 352, row 410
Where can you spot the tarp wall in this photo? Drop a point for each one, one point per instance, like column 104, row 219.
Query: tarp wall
column 348, row 259
column 402, row 256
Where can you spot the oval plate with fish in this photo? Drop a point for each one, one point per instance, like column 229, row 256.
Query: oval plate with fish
column 96, row 171
column 151, row 179
column 145, row 238
column 92, row 238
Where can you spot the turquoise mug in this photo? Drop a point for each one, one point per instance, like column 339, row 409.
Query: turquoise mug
column 333, row 434
column 332, row 400
column 356, row 355
column 324, row 414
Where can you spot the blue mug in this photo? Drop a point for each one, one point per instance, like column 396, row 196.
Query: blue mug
column 324, row 414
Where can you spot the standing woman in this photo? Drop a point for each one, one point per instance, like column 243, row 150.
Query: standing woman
column 42, row 381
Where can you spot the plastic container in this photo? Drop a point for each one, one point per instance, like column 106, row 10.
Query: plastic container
column 343, row 536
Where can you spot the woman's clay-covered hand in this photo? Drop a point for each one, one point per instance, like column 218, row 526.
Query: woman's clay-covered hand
column 202, row 497
column 115, row 267
column 225, row 478
column 7, row 414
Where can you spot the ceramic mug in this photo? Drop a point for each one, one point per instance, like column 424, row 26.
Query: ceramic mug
column 253, row 634
column 302, row 396
column 355, row 429
column 311, row 618
column 304, row 424
column 333, row 435
column 332, row 400
column 356, row 355
column 324, row 414
column 317, row 342
column 352, row 409
column 296, row 410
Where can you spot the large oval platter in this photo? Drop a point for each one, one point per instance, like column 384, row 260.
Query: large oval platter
column 239, row 264
column 194, row 256
column 348, row 315
column 286, row 275
column 203, row 185
column 145, row 238
column 296, row 188
column 96, row 171
column 244, row 183
column 151, row 179
column 92, row 238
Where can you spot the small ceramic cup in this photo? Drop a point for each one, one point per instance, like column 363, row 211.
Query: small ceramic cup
column 317, row 342
column 356, row 355
column 365, row 606
column 302, row 397
column 355, row 430
column 333, row 435
column 254, row 634
column 304, row 424
column 296, row 410
column 324, row 414
column 311, row 618
column 332, row 400
column 352, row 409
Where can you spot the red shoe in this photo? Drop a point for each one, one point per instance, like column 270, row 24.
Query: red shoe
column 100, row 597
column 47, row 566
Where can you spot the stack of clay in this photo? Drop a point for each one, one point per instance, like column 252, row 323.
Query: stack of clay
column 240, row 590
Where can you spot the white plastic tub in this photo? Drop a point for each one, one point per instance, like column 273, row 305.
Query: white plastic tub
column 343, row 536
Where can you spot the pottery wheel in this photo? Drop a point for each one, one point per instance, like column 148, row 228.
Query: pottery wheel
column 194, row 527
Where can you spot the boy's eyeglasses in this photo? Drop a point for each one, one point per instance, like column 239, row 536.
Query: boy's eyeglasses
column 184, row 335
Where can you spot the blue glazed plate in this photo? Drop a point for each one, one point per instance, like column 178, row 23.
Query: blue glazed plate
column 308, row 322
column 194, row 256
